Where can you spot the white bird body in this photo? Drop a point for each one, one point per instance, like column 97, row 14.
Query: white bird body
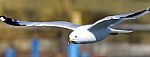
column 85, row 34
column 82, row 35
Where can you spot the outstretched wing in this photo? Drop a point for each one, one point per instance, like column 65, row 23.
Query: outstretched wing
column 62, row 24
column 116, row 19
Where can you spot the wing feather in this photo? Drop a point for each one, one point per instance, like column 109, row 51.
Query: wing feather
column 116, row 19
column 62, row 24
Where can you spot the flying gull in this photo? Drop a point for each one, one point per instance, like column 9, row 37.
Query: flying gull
column 84, row 34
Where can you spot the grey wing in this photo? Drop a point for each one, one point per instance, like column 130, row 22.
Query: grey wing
column 62, row 24
column 116, row 19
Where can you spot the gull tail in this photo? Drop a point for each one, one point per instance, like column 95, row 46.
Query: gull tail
column 115, row 31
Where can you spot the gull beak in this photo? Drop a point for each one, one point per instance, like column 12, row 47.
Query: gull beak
column 70, row 40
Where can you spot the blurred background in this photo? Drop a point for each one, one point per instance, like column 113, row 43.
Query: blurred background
column 53, row 41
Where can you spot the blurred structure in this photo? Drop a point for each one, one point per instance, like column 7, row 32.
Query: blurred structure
column 53, row 41
column 35, row 48
column 10, row 53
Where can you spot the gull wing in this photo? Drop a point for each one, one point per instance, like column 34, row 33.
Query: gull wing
column 116, row 19
column 62, row 24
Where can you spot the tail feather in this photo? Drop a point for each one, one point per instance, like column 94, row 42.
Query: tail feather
column 120, row 31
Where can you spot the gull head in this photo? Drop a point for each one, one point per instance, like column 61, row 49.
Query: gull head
column 81, row 35
column 74, row 37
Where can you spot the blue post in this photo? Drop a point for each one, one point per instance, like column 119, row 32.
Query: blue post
column 73, row 50
column 35, row 48
column 10, row 53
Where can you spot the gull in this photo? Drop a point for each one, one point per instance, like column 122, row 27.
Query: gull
column 85, row 34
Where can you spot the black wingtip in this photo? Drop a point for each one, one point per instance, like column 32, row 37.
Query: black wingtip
column 2, row 18
column 9, row 21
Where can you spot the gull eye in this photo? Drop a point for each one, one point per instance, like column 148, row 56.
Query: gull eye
column 75, row 36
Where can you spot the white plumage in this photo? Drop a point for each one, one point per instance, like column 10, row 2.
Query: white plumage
column 86, row 33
